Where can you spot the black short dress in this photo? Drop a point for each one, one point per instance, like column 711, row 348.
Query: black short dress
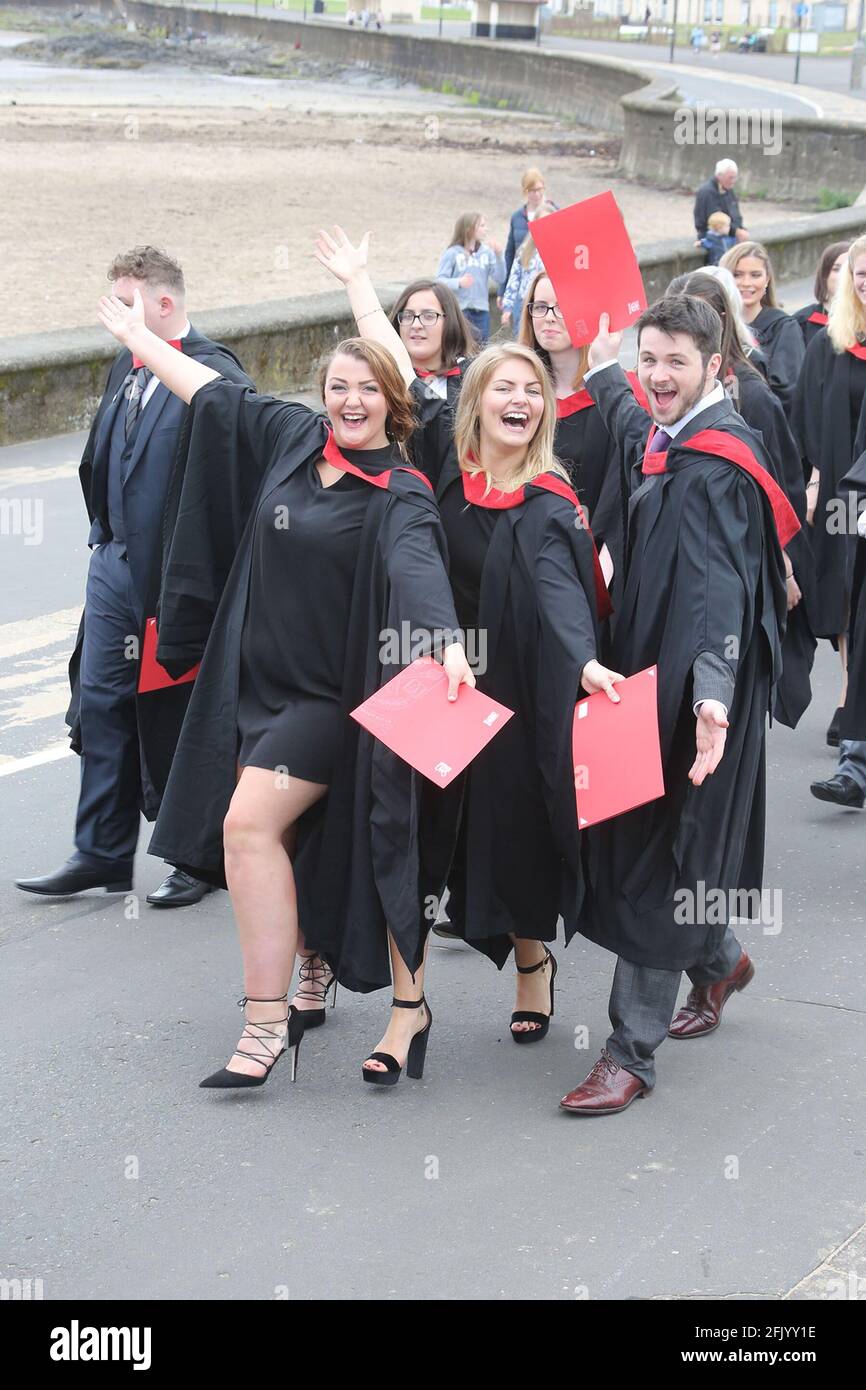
column 304, row 553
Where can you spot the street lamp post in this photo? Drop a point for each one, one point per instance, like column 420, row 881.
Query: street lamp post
column 674, row 32
column 800, row 11
column 858, row 53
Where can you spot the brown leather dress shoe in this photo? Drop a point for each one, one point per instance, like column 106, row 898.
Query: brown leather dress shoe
column 702, row 1011
column 608, row 1089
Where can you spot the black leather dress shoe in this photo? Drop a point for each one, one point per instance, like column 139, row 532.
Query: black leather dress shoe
column 179, row 890
column 76, row 876
column 841, row 789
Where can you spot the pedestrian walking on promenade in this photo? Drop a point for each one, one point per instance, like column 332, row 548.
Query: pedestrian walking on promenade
column 467, row 267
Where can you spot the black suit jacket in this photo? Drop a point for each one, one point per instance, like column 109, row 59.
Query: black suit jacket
column 152, row 483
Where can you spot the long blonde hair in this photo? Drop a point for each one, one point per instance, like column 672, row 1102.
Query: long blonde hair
column 540, row 457
column 732, row 258
column 527, row 248
column 846, row 320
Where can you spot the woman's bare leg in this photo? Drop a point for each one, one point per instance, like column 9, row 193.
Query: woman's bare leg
column 404, row 1023
column 262, row 887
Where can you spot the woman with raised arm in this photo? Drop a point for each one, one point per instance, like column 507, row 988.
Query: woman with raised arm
column 528, row 586
column 581, row 441
column 273, row 785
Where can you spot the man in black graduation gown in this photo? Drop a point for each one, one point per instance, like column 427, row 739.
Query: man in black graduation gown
column 128, row 474
column 704, row 601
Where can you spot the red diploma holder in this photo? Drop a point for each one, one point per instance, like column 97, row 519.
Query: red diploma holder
column 151, row 675
column 413, row 716
column 591, row 262
column 616, row 751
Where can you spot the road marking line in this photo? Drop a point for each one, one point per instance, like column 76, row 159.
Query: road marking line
column 28, row 475
column 21, row 638
column 9, row 766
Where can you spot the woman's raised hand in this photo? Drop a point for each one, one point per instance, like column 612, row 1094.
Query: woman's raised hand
column 119, row 318
column 337, row 254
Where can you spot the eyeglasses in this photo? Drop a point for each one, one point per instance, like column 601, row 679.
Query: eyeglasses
column 539, row 310
column 427, row 316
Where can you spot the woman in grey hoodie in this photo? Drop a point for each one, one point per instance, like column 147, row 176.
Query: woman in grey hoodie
column 467, row 267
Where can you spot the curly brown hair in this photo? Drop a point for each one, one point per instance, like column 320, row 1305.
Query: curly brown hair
column 151, row 266
column 400, row 421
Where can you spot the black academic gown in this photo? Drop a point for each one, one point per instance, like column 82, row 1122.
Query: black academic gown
column 812, row 318
column 781, row 342
column 589, row 454
column 705, row 574
column 853, row 720
column 361, row 860
column 159, row 714
column 519, row 867
column 821, row 420
column 763, row 413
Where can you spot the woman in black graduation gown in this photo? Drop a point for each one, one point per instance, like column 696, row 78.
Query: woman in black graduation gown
column 340, row 541
column 440, row 344
column 581, row 441
column 813, row 317
column 827, row 411
column 526, row 578
column 779, row 337
column 762, row 410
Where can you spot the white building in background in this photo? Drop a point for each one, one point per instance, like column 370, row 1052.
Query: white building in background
column 829, row 15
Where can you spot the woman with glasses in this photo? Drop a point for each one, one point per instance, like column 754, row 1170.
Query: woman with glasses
column 436, row 336
column 581, row 440
column 527, row 581
column 468, row 265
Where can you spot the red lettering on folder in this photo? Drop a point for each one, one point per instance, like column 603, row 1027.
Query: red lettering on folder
column 413, row 716
column 591, row 262
column 616, row 751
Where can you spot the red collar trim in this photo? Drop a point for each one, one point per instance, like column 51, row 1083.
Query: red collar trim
column 473, row 490
column 172, row 342
column 332, row 455
column 736, row 451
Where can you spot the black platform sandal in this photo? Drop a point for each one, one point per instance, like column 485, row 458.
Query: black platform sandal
column 526, row 1015
column 414, row 1058
column 310, row 986
column 265, row 1058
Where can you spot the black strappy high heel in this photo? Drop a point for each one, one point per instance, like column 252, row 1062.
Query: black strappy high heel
column 414, row 1058
column 526, row 1015
column 231, row 1080
column 310, row 975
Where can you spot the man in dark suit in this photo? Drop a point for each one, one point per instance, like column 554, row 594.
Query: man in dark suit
column 129, row 475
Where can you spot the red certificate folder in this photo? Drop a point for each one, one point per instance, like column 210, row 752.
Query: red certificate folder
column 414, row 717
column 616, row 752
column 590, row 260
column 152, row 676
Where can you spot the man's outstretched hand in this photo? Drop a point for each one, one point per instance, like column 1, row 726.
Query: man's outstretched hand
column 710, row 734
